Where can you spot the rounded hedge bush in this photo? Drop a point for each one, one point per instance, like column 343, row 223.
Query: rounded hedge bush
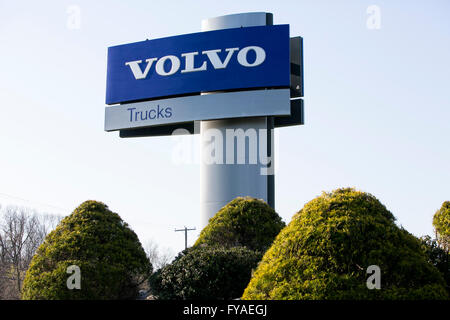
column 441, row 223
column 110, row 257
column 205, row 273
column 326, row 249
column 246, row 222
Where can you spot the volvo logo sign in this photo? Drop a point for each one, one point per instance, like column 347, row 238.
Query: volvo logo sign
column 230, row 59
column 254, row 69
column 213, row 57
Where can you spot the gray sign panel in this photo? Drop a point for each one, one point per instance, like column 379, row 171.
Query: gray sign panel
column 205, row 107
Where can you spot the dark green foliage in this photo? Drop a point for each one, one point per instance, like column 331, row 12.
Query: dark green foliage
column 325, row 250
column 220, row 263
column 246, row 222
column 206, row 273
column 441, row 223
column 109, row 254
column 438, row 257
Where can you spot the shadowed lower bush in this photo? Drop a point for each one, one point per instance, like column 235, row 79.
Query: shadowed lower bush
column 206, row 273
column 220, row 263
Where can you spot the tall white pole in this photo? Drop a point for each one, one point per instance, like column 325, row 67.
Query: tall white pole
column 221, row 183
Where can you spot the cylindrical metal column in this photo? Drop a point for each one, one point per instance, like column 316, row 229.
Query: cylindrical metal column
column 222, row 182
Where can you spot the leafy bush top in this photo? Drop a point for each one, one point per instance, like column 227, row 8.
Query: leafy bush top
column 325, row 250
column 206, row 273
column 441, row 223
column 101, row 244
column 245, row 222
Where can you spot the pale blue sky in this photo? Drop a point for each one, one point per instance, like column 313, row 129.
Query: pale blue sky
column 377, row 107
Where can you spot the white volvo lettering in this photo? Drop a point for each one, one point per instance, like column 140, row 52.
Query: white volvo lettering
column 190, row 65
column 137, row 72
column 215, row 60
column 175, row 65
column 260, row 56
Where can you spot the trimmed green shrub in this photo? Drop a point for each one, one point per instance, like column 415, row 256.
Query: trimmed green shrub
column 205, row 273
column 110, row 257
column 326, row 249
column 246, row 222
column 220, row 263
column 441, row 223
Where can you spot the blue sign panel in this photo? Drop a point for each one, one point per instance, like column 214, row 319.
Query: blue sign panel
column 231, row 59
